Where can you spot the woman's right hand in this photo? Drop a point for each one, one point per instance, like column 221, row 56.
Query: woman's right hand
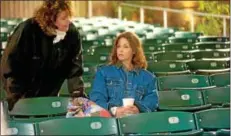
column 123, row 111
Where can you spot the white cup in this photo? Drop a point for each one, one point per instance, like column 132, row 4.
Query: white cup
column 128, row 101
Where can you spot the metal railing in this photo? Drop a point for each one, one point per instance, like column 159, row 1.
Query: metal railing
column 165, row 14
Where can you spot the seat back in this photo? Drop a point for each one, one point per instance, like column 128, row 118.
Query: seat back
column 186, row 100
column 40, row 106
column 157, row 122
column 213, row 119
column 183, row 81
column 20, row 128
column 78, row 126
column 220, row 79
column 173, row 56
column 217, row 96
column 166, row 68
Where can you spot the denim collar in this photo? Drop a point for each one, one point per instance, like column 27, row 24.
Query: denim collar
column 120, row 65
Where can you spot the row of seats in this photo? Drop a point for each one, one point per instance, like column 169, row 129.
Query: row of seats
column 175, row 100
column 170, row 82
column 212, row 122
column 164, row 68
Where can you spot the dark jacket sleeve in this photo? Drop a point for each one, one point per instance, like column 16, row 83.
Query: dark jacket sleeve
column 15, row 60
column 14, row 64
column 75, row 81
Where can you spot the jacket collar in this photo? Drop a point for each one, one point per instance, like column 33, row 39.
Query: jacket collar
column 119, row 65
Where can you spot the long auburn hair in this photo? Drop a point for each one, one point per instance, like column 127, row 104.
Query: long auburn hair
column 47, row 13
column 138, row 59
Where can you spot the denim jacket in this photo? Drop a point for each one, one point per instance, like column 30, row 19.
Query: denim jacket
column 112, row 83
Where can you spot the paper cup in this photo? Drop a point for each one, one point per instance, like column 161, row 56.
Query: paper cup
column 128, row 101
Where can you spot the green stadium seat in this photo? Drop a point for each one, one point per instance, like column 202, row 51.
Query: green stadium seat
column 149, row 56
column 162, row 68
column 211, row 46
column 183, row 47
column 213, row 39
column 154, row 41
column 182, row 100
column 187, row 34
column 212, row 55
column 220, row 79
column 182, row 39
column 87, row 44
column 40, row 107
column 223, row 132
column 183, row 82
column 89, row 68
column 214, row 120
column 152, row 48
column 174, row 56
column 99, row 49
column 20, row 128
column 218, row 96
column 97, row 58
column 208, row 66
column 171, row 123
column 90, row 35
column 97, row 126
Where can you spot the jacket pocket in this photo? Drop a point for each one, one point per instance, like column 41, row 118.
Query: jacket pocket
column 114, row 87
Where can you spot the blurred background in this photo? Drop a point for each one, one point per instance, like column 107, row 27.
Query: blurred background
column 206, row 24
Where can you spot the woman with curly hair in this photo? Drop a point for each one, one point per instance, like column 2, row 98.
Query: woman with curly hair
column 41, row 53
column 124, row 86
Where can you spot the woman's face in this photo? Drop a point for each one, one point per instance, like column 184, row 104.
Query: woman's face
column 124, row 51
column 62, row 21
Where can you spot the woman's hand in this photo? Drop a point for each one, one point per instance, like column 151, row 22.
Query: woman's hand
column 123, row 111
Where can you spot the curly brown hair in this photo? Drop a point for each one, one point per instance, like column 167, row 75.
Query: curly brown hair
column 47, row 13
column 139, row 59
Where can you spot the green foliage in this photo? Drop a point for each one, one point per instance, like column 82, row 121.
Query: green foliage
column 211, row 25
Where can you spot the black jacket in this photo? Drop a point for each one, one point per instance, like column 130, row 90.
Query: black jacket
column 32, row 66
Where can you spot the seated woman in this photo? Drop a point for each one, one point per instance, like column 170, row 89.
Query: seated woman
column 125, row 77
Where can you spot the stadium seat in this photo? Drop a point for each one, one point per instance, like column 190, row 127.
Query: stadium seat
column 182, row 39
column 183, row 82
column 97, row 58
column 187, row 34
column 211, row 55
column 89, row 68
column 40, row 107
column 208, row 66
column 174, row 56
column 213, row 46
column 213, row 120
column 159, row 124
column 218, row 96
column 78, row 126
column 213, row 39
column 220, row 79
column 20, row 128
column 153, row 48
column 149, row 56
column 154, row 41
column 167, row 68
column 182, row 100
column 99, row 49
column 183, row 47
column 87, row 44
